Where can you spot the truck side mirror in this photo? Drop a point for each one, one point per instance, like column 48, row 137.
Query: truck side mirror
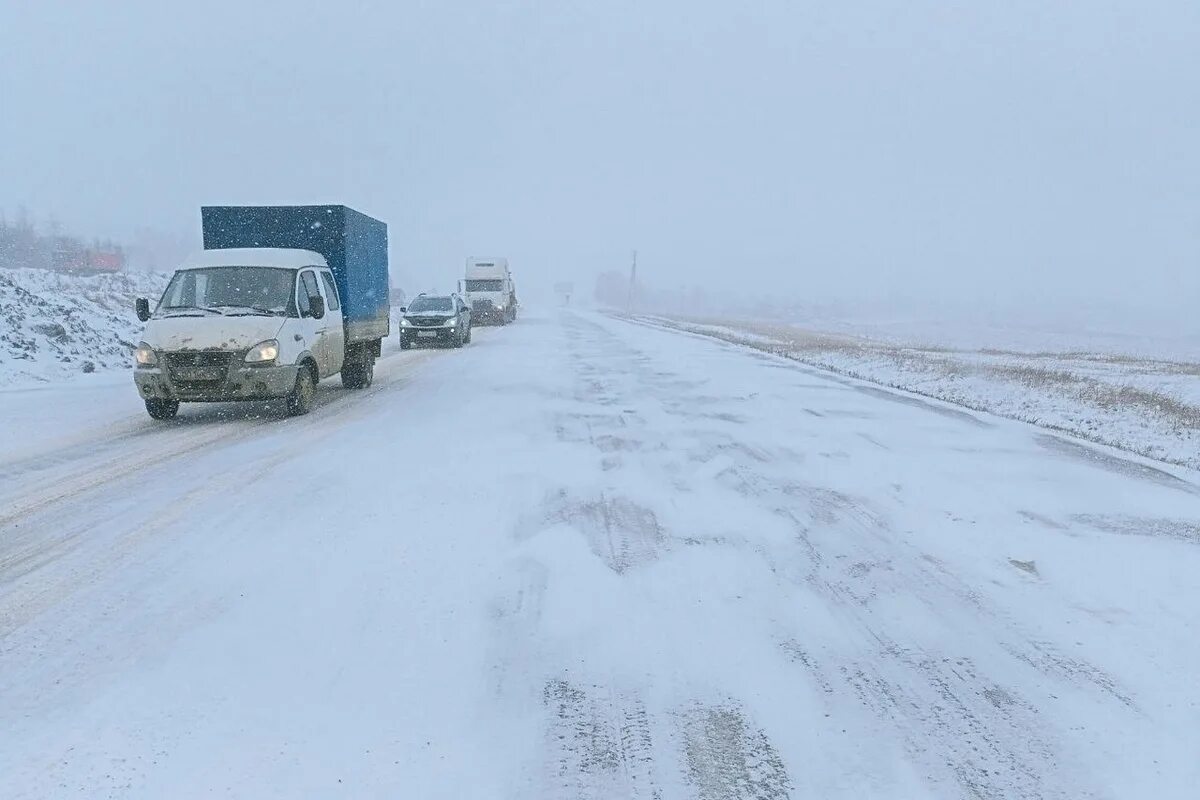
column 142, row 307
column 316, row 306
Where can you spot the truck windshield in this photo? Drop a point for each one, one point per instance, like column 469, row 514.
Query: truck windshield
column 259, row 290
column 485, row 285
column 423, row 304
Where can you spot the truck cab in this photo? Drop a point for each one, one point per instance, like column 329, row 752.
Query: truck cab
column 490, row 291
column 241, row 324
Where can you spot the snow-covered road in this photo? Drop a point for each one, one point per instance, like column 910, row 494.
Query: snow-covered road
column 584, row 558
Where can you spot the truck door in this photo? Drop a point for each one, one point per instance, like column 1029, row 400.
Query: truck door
column 335, row 335
column 311, row 331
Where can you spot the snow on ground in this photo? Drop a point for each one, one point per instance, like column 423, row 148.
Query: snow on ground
column 1117, row 331
column 587, row 558
column 55, row 326
column 1148, row 405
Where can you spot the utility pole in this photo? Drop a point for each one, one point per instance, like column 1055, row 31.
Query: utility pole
column 632, row 281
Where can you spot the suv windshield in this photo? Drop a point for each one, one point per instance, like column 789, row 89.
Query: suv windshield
column 426, row 304
column 263, row 290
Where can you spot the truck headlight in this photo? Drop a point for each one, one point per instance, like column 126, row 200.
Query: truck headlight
column 263, row 353
column 144, row 355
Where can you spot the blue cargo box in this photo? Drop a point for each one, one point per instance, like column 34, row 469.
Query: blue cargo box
column 354, row 245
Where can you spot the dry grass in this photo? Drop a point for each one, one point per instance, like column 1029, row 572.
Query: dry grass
column 1034, row 377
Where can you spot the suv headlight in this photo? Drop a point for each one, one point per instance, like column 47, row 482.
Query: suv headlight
column 450, row 323
column 263, row 353
column 404, row 323
column 144, row 355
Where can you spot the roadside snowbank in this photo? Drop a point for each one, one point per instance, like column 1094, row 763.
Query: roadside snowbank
column 53, row 326
column 1145, row 405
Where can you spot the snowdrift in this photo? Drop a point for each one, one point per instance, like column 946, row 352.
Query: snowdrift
column 1143, row 404
column 54, row 326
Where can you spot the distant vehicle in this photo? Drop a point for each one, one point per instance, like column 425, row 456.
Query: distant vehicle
column 284, row 297
column 490, row 291
column 69, row 256
column 564, row 290
column 435, row 319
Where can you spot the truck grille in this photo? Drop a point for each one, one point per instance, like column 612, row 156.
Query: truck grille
column 199, row 358
column 196, row 367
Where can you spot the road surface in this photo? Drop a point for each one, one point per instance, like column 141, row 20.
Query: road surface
column 585, row 558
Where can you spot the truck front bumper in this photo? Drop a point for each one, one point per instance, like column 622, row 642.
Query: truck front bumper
column 241, row 383
column 486, row 314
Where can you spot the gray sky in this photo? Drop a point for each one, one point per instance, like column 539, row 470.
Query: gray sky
column 907, row 149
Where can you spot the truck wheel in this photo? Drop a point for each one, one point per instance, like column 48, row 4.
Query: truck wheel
column 162, row 409
column 366, row 372
column 358, row 374
column 300, row 399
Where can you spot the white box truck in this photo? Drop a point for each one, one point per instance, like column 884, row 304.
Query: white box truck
column 281, row 298
column 490, row 291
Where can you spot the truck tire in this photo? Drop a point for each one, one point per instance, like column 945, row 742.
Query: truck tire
column 359, row 374
column 300, row 399
column 162, row 409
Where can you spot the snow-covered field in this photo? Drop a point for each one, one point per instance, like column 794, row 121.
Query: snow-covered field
column 1094, row 387
column 1117, row 331
column 55, row 326
column 586, row 558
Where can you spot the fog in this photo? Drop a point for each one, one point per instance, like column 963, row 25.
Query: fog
column 894, row 154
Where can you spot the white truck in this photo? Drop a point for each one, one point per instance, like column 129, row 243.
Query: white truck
column 490, row 291
column 283, row 297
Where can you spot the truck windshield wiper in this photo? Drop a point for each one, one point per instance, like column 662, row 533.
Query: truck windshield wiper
column 246, row 311
column 194, row 308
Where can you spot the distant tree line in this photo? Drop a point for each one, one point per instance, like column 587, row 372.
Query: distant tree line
column 24, row 246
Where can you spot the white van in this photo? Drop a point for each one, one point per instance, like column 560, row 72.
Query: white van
column 241, row 324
